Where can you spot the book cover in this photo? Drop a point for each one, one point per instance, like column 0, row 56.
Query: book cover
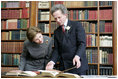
column 22, row 73
column 57, row 74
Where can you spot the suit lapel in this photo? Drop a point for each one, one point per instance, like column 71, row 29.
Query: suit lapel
column 60, row 33
column 67, row 33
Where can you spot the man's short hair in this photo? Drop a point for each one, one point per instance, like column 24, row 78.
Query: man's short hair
column 59, row 7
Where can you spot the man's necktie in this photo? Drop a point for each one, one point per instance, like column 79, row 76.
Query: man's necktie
column 63, row 28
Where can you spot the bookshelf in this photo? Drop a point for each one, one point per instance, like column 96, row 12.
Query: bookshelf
column 93, row 23
column 115, row 38
column 14, row 21
column 90, row 13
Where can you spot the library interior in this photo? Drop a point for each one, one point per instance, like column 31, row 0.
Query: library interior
column 98, row 19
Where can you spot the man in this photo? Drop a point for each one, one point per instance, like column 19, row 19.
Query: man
column 69, row 42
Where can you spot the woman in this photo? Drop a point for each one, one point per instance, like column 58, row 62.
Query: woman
column 36, row 51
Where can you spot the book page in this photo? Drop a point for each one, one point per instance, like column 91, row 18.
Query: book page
column 28, row 73
column 14, row 72
column 54, row 73
column 67, row 75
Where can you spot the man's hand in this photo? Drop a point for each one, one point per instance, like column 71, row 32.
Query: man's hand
column 50, row 65
column 76, row 61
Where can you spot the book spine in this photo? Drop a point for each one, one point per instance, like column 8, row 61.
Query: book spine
column 9, row 59
column 106, row 56
column 12, row 47
column 92, row 55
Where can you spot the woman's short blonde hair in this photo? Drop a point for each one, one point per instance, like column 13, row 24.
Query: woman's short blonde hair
column 31, row 32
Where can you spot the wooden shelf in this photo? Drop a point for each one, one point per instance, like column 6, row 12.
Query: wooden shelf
column 91, row 46
column 9, row 65
column 12, row 40
column 43, row 9
column 43, row 21
column 95, row 20
column 107, row 64
column 105, row 6
column 105, row 19
column 105, row 47
column 83, row 7
column 45, row 33
column 106, row 33
column 10, row 53
column 12, row 29
column 86, row 33
column 13, row 18
column 92, row 63
column 14, row 8
column 90, row 33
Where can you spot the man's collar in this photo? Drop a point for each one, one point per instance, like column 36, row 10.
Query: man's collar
column 65, row 24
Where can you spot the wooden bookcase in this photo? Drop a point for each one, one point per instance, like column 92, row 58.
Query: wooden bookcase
column 14, row 21
column 34, row 21
column 98, row 65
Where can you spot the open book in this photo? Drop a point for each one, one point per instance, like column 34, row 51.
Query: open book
column 22, row 73
column 42, row 74
column 57, row 74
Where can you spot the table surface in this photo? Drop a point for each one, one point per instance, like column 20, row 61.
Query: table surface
column 83, row 76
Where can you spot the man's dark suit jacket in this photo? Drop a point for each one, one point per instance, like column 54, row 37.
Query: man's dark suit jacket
column 68, row 44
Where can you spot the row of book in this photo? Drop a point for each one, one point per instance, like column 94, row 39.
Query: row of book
column 43, row 4
column 82, row 14
column 54, row 26
column 90, row 14
column 15, row 24
column 23, row 23
column 92, row 55
column 12, row 47
column 10, row 59
column 91, row 40
column 103, row 70
column 44, row 27
column 106, row 56
column 106, row 26
column 106, row 70
column 106, row 41
column 43, row 15
column 14, row 4
column 106, row 14
column 90, row 27
column 105, row 3
column 92, row 70
column 56, row 2
column 69, row 4
column 16, row 13
column 14, row 35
